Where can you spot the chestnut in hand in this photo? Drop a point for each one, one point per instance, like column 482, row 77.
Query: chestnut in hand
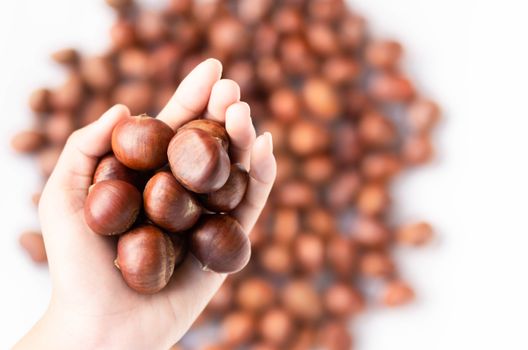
column 220, row 244
column 213, row 128
column 168, row 204
column 109, row 168
column 198, row 161
column 141, row 142
column 231, row 194
column 112, row 207
column 146, row 259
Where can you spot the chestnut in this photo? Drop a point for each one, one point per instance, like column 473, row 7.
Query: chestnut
column 198, row 161
column 109, row 168
column 213, row 128
column 301, row 299
column 231, row 194
column 28, row 141
column 220, row 244
column 141, row 142
column 112, row 207
column 276, row 326
column 255, row 294
column 237, row 328
column 33, row 244
column 397, row 293
column 146, row 259
column 168, row 204
column 342, row 300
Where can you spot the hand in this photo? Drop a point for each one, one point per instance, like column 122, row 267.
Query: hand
column 91, row 306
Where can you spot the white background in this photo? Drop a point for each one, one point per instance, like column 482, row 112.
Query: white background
column 471, row 56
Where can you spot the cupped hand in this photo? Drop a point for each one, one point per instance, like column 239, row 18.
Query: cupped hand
column 91, row 306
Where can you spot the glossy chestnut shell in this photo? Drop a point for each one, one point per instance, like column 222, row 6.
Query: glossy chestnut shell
column 213, row 128
column 109, row 168
column 168, row 204
column 146, row 259
column 198, row 161
column 231, row 194
column 112, row 207
column 220, row 244
column 141, row 142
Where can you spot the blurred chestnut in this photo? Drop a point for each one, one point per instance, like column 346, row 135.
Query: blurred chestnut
column 137, row 95
column 112, row 207
column 318, row 169
column 376, row 130
column 341, row 70
column 58, row 127
column 417, row 150
column 164, row 62
column 198, row 161
column 146, row 258
column 341, row 254
column 119, row 4
column 93, row 108
column 168, row 205
column 380, row 166
column 39, row 100
column 296, row 194
column 307, row 138
column 141, row 142
column 276, row 259
column 227, row 36
column 284, row 104
column 109, row 168
column 288, row 20
column 276, row 326
column 269, row 73
column 321, row 98
column 33, row 244
column 134, row 63
column 98, row 72
column 229, row 196
column 322, row 38
column 383, row 54
column 28, row 141
column 422, row 115
column 370, row 232
column 300, row 298
column 334, row 335
column 321, row 221
column 326, row 10
column 286, row 225
column 266, row 39
column 122, row 34
column 415, row 234
column 347, row 144
column 296, row 57
column 255, row 294
column 376, row 264
column 151, row 27
column 397, row 293
column 69, row 95
column 352, row 31
column 343, row 300
column 309, row 252
column 391, row 88
column 343, row 190
column 253, row 11
column 220, row 244
column 237, row 328
column 373, row 199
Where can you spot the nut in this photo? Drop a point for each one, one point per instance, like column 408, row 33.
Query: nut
column 229, row 196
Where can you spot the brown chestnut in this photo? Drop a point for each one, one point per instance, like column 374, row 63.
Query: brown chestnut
column 397, row 293
column 343, row 300
column 198, row 161
column 237, row 328
column 231, row 194
column 141, row 142
column 146, row 259
column 220, row 244
column 255, row 294
column 109, row 168
column 341, row 255
column 301, row 299
column 28, row 141
column 276, row 326
column 168, row 204
column 112, row 207
column 213, row 128
column 33, row 244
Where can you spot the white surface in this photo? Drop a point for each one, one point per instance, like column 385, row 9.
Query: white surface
column 471, row 56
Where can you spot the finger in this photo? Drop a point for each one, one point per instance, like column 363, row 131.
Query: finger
column 77, row 163
column 262, row 175
column 192, row 96
column 241, row 131
column 225, row 92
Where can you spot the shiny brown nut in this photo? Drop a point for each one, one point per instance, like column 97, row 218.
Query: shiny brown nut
column 229, row 196
column 138, row 96
column 307, row 138
column 112, row 207
column 58, row 127
column 309, row 252
column 28, row 141
column 285, row 105
column 237, row 328
column 198, row 161
column 134, row 63
column 383, row 54
column 168, row 205
column 66, row 56
column 422, row 115
column 98, row 73
column 47, row 159
column 296, row 194
column 301, row 300
column 276, row 326
column 286, row 225
column 342, row 300
column 417, row 150
column 373, row 199
column 109, row 168
column 141, row 142
column 370, row 232
column 276, row 259
column 318, row 169
column 343, row 190
column 334, row 335
column 122, row 34
column 255, row 294
column 151, row 27
column 414, row 234
column 39, row 100
column 391, row 88
column 397, row 293
column 33, row 243
column 376, row 264
column 146, row 259
column 213, row 128
column 380, row 166
column 376, row 130
column 220, row 244
column 321, row 99
column 69, row 95
column 322, row 38
column 342, row 256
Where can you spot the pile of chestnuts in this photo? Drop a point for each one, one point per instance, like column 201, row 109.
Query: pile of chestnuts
column 346, row 122
column 163, row 193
